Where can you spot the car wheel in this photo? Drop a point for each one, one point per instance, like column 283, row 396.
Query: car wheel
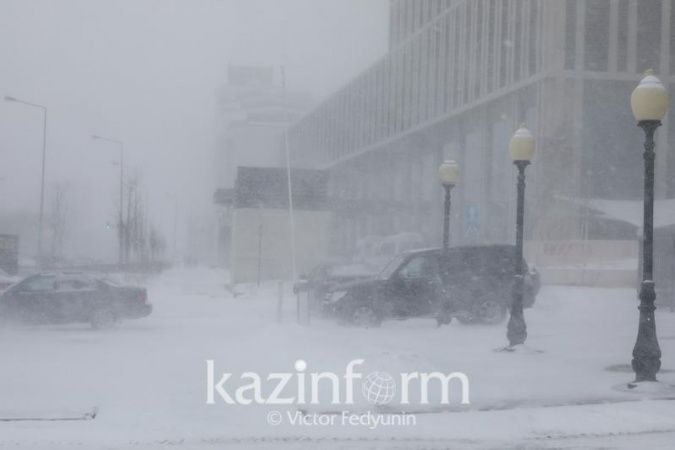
column 103, row 319
column 491, row 312
column 365, row 317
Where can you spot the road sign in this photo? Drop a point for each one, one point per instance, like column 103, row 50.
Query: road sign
column 471, row 220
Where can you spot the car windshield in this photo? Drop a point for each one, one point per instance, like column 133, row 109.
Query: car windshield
column 37, row 283
column 391, row 266
column 109, row 282
column 353, row 270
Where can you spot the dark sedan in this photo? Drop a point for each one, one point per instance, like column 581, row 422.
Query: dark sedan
column 65, row 297
column 472, row 284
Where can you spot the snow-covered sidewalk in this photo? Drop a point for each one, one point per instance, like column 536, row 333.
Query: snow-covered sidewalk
column 147, row 378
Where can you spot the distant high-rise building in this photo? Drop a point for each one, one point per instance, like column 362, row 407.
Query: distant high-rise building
column 254, row 110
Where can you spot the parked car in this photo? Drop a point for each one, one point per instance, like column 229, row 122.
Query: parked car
column 69, row 297
column 326, row 276
column 6, row 280
column 473, row 284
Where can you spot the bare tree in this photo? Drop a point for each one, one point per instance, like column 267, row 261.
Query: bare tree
column 156, row 244
column 132, row 223
column 142, row 242
column 58, row 218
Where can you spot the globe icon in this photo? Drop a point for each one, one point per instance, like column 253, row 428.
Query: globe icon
column 378, row 388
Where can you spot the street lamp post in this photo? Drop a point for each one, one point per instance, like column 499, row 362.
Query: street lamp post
column 120, row 225
column 521, row 148
column 42, row 176
column 174, row 201
column 448, row 172
column 649, row 103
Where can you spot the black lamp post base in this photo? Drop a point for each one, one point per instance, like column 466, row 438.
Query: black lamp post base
column 520, row 348
column 646, row 354
column 645, row 370
column 516, row 331
column 655, row 389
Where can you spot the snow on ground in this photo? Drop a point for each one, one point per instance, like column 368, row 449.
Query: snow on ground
column 148, row 377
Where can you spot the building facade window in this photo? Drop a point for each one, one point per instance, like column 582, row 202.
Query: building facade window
column 649, row 35
column 570, row 34
column 534, row 57
column 671, row 37
column 596, row 30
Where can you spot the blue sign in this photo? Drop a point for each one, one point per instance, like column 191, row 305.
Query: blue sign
column 471, row 220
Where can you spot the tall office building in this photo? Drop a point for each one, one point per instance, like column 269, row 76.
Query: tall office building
column 460, row 76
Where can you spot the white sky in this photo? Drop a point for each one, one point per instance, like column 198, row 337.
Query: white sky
column 145, row 72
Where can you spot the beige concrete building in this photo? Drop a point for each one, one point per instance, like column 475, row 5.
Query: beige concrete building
column 263, row 242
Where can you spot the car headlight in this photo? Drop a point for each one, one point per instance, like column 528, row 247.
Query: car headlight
column 335, row 296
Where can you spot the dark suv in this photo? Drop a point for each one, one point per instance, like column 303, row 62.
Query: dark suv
column 473, row 284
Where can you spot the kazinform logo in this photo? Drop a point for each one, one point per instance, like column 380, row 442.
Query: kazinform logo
column 302, row 387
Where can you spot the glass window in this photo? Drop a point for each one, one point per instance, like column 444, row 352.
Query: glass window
column 670, row 180
column 609, row 161
column 490, row 47
column 671, row 32
column 74, row 284
column 111, row 282
column 504, row 43
column 596, row 57
column 420, row 267
column 517, row 42
column 478, row 71
column 391, row 266
column 570, row 34
column 649, row 35
column 394, row 21
column 622, row 37
column 535, row 42
column 417, row 15
column 38, row 284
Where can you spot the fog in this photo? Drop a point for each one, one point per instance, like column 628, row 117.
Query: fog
column 337, row 224
column 146, row 73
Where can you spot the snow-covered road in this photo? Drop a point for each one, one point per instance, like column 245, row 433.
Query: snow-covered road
column 148, row 377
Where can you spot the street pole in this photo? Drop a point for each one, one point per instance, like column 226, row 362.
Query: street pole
column 42, row 189
column 521, row 147
column 175, row 225
column 649, row 103
column 260, row 236
column 517, row 329
column 446, row 217
column 173, row 198
column 291, row 210
column 120, row 226
column 8, row 98
column 448, row 172
column 646, row 353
